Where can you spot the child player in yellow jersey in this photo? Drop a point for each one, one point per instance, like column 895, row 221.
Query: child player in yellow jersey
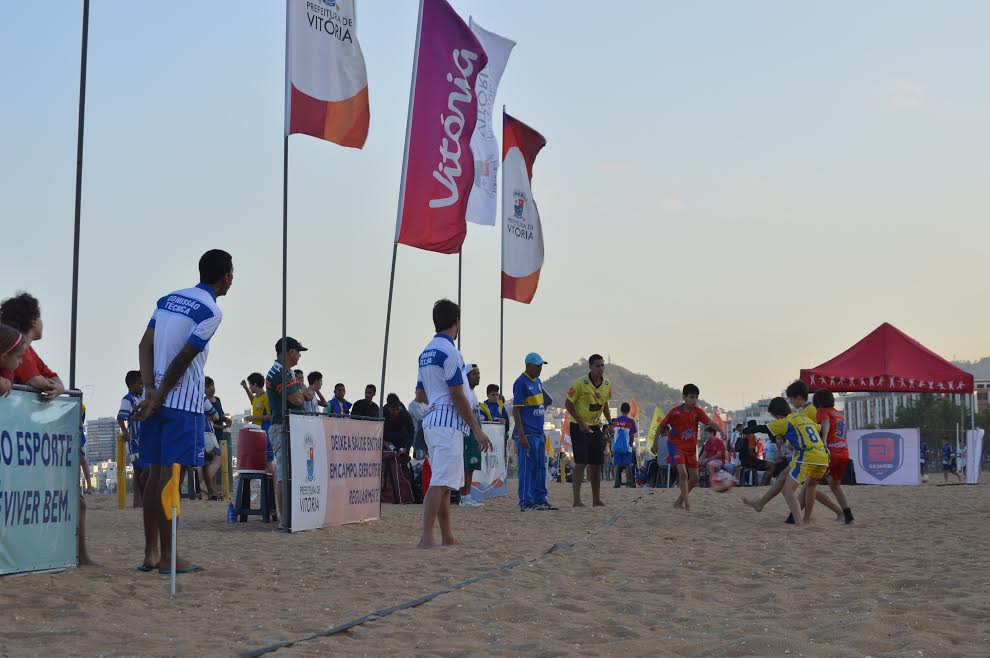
column 809, row 463
column 797, row 395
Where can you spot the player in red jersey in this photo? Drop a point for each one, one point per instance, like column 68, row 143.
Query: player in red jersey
column 833, row 425
column 681, row 427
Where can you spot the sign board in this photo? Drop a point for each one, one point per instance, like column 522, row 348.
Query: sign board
column 886, row 456
column 490, row 480
column 39, row 482
column 336, row 470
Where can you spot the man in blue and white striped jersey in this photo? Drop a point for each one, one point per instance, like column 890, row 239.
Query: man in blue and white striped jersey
column 173, row 355
column 449, row 418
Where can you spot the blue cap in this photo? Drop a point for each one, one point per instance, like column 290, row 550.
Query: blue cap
column 535, row 359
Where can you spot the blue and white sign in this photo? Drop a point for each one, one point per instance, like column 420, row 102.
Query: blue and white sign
column 39, row 482
column 887, row 456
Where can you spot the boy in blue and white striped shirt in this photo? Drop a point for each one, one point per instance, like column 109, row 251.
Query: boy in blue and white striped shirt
column 449, row 418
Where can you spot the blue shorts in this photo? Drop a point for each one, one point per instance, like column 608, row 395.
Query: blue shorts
column 269, row 450
column 173, row 436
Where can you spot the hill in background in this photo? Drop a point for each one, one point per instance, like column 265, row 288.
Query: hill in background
column 626, row 385
column 979, row 369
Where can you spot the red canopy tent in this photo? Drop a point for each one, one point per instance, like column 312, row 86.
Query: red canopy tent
column 889, row 360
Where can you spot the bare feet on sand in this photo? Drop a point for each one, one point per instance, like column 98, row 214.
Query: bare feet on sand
column 598, row 503
column 578, row 503
column 755, row 504
column 450, row 541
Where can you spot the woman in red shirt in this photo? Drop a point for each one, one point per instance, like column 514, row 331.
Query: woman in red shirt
column 23, row 313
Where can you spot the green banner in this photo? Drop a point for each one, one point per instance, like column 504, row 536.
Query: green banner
column 39, row 482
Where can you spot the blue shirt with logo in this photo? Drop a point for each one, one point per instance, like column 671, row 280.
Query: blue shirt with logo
column 528, row 396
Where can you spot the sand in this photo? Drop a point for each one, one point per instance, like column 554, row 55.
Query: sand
column 910, row 578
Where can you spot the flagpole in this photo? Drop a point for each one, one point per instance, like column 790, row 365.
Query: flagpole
column 501, row 342
column 402, row 198
column 460, row 269
column 501, row 312
column 388, row 323
column 286, row 514
column 78, row 208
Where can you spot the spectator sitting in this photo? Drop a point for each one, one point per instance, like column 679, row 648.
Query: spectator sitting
column 713, row 455
column 13, row 347
column 338, row 405
column 308, row 395
column 23, row 313
column 316, row 400
column 399, row 427
column 367, row 408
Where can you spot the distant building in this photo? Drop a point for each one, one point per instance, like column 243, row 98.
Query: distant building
column 756, row 411
column 101, row 439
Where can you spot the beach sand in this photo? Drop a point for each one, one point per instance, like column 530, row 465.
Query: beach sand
column 636, row 578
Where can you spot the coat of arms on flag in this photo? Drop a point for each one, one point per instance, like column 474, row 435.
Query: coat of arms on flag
column 519, row 206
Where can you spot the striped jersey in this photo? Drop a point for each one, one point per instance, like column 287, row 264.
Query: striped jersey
column 440, row 367
column 211, row 414
column 128, row 404
column 185, row 317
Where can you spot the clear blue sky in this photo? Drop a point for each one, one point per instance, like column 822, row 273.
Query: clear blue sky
column 730, row 191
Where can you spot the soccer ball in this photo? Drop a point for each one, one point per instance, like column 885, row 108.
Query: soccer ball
column 722, row 481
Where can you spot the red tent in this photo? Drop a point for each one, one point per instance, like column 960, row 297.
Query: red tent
column 889, row 360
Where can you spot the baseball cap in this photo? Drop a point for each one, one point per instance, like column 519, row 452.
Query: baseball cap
column 290, row 344
column 535, row 359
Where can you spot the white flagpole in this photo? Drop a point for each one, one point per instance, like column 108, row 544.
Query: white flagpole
column 175, row 517
column 402, row 198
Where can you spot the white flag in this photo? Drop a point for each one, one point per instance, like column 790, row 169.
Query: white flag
column 481, row 207
column 522, row 233
column 326, row 86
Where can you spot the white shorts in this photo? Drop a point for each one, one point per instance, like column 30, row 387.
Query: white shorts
column 446, row 447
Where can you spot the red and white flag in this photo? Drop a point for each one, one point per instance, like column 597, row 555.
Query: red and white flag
column 438, row 168
column 522, row 235
column 326, row 82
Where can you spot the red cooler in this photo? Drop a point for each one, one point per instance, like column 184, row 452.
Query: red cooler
column 251, row 449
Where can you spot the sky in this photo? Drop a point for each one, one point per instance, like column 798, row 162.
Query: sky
column 730, row 191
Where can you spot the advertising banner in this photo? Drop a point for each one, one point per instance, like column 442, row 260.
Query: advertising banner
column 336, row 470
column 39, row 482
column 490, row 480
column 438, row 168
column 888, row 456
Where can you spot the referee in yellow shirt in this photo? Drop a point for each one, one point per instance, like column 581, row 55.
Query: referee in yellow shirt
column 587, row 402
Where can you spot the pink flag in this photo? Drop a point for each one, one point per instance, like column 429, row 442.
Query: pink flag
column 438, row 168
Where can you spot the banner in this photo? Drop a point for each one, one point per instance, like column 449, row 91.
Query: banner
column 522, row 235
column 886, row 456
column 489, row 482
column 482, row 203
column 438, row 167
column 651, row 434
column 336, row 470
column 39, row 482
column 974, row 452
column 326, row 82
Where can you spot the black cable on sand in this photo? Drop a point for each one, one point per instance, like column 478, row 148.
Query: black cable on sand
column 385, row 612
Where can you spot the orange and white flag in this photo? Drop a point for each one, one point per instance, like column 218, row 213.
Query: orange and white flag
column 326, row 82
column 522, row 233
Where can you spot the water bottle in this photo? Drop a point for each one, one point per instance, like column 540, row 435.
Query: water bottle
column 231, row 514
